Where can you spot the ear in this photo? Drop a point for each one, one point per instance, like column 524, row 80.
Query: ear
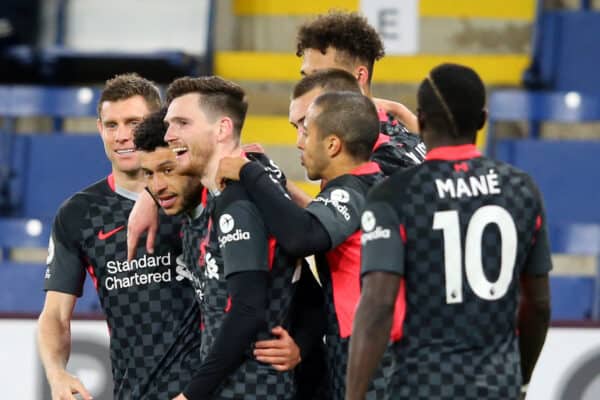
column 483, row 116
column 362, row 75
column 225, row 129
column 333, row 145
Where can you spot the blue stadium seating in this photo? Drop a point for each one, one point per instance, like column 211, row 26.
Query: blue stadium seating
column 49, row 169
column 566, row 172
column 21, row 284
column 565, row 51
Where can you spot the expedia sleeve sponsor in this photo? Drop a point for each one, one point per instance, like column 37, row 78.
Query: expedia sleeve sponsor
column 382, row 245
column 144, row 270
column 242, row 238
column 338, row 210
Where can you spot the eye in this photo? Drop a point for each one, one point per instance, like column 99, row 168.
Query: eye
column 168, row 171
column 147, row 174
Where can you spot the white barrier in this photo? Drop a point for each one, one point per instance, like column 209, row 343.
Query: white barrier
column 569, row 367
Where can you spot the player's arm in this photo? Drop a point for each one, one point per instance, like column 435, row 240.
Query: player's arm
column 63, row 283
column 246, row 270
column 238, row 330
column 296, row 229
column 298, row 195
column 400, row 111
column 371, row 331
column 382, row 267
column 534, row 307
column 307, row 327
column 143, row 218
column 54, row 344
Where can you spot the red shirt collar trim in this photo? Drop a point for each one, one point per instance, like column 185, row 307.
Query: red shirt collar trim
column 111, row 182
column 366, row 168
column 448, row 153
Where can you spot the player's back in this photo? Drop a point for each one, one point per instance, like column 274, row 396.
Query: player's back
column 468, row 224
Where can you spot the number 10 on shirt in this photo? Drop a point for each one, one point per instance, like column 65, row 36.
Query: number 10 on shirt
column 448, row 222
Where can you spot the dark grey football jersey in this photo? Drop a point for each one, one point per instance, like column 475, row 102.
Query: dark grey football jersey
column 459, row 229
column 228, row 237
column 150, row 306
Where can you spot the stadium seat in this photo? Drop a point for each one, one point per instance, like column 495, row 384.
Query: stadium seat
column 49, row 169
column 21, row 283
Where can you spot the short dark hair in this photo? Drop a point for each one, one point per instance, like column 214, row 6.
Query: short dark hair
column 344, row 31
column 452, row 100
column 330, row 80
column 352, row 117
column 217, row 95
column 150, row 133
column 124, row 86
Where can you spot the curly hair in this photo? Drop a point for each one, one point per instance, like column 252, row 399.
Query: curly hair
column 217, row 95
column 344, row 31
column 125, row 86
column 150, row 133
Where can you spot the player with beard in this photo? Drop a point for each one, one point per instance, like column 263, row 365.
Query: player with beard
column 151, row 311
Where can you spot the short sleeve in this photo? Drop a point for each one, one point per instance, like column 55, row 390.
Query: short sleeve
column 381, row 238
column 539, row 259
column 65, row 268
column 338, row 210
column 242, row 234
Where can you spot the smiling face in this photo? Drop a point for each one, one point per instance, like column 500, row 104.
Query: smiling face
column 116, row 123
column 191, row 135
column 174, row 192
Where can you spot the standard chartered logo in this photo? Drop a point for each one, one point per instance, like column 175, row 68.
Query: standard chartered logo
column 140, row 271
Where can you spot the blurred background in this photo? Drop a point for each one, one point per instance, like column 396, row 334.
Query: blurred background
column 538, row 59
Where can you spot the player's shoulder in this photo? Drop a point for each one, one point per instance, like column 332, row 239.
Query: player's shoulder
column 79, row 204
column 234, row 194
column 395, row 183
column 515, row 176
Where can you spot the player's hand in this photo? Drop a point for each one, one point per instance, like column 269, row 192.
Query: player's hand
column 400, row 111
column 143, row 218
column 64, row 386
column 180, row 397
column 282, row 353
column 229, row 168
column 253, row 148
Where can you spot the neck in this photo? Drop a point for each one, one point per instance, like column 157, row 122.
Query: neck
column 131, row 181
column 342, row 166
column 366, row 89
column 230, row 149
column 435, row 140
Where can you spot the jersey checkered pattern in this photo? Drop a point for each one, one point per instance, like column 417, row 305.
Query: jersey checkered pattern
column 252, row 380
column 402, row 150
column 150, row 308
column 456, row 349
column 336, row 346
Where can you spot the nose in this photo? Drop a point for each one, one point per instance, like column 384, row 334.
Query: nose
column 169, row 134
column 123, row 134
column 300, row 138
column 158, row 183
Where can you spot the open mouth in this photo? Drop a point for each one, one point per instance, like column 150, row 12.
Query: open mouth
column 179, row 151
column 167, row 201
column 125, row 151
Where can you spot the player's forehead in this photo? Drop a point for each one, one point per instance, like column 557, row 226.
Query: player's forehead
column 186, row 106
column 134, row 107
column 160, row 158
column 299, row 106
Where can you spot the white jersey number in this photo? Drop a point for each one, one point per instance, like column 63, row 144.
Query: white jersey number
column 448, row 222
